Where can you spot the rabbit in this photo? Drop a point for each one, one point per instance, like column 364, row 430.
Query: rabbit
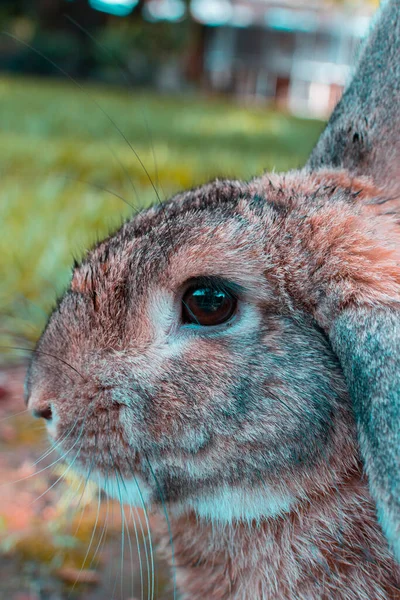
column 230, row 360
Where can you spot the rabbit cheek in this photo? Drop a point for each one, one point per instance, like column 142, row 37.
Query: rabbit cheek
column 190, row 400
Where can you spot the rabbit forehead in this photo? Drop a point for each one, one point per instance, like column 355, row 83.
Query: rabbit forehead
column 225, row 242
column 234, row 252
column 225, row 229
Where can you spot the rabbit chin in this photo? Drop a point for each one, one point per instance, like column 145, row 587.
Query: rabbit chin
column 228, row 504
column 223, row 506
column 132, row 492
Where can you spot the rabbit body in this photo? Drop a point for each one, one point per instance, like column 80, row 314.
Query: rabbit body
column 246, row 434
column 330, row 544
column 331, row 547
column 250, row 435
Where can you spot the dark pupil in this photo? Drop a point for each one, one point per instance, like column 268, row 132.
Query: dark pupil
column 207, row 306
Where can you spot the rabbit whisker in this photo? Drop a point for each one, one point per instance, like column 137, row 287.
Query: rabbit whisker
column 57, row 443
column 36, row 351
column 17, row 414
column 90, row 543
column 164, row 507
column 103, row 535
column 81, row 496
column 123, row 519
column 119, row 130
column 44, row 468
column 124, row 72
column 103, row 189
column 152, row 566
column 82, row 89
column 69, row 466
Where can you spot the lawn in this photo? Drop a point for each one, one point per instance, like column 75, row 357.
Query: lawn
column 63, row 146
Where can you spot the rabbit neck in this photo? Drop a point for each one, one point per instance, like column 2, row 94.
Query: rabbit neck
column 328, row 547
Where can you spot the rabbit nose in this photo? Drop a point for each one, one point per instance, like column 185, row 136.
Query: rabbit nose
column 40, row 407
column 44, row 413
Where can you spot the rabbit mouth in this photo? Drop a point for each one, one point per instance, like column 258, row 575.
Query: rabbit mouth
column 151, row 483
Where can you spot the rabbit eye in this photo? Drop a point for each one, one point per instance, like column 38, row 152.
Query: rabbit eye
column 207, row 306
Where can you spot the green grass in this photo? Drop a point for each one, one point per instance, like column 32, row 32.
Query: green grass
column 58, row 149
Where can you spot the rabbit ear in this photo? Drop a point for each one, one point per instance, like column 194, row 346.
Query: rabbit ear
column 367, row 343
column 363, row 133
column 363, row 137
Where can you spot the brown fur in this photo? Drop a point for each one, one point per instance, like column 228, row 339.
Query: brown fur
column 272, row 414
column 328, row 548
column 310, row 247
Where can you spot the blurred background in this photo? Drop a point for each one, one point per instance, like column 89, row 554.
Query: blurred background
column 90, row 91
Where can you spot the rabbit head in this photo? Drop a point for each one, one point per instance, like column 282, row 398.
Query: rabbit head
column 210, row 353
column 248, row 401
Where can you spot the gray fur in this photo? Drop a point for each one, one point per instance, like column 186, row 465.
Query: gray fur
column 368, row 346
column 363, row 133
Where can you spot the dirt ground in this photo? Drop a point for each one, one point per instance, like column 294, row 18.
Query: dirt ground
column 56, row 541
